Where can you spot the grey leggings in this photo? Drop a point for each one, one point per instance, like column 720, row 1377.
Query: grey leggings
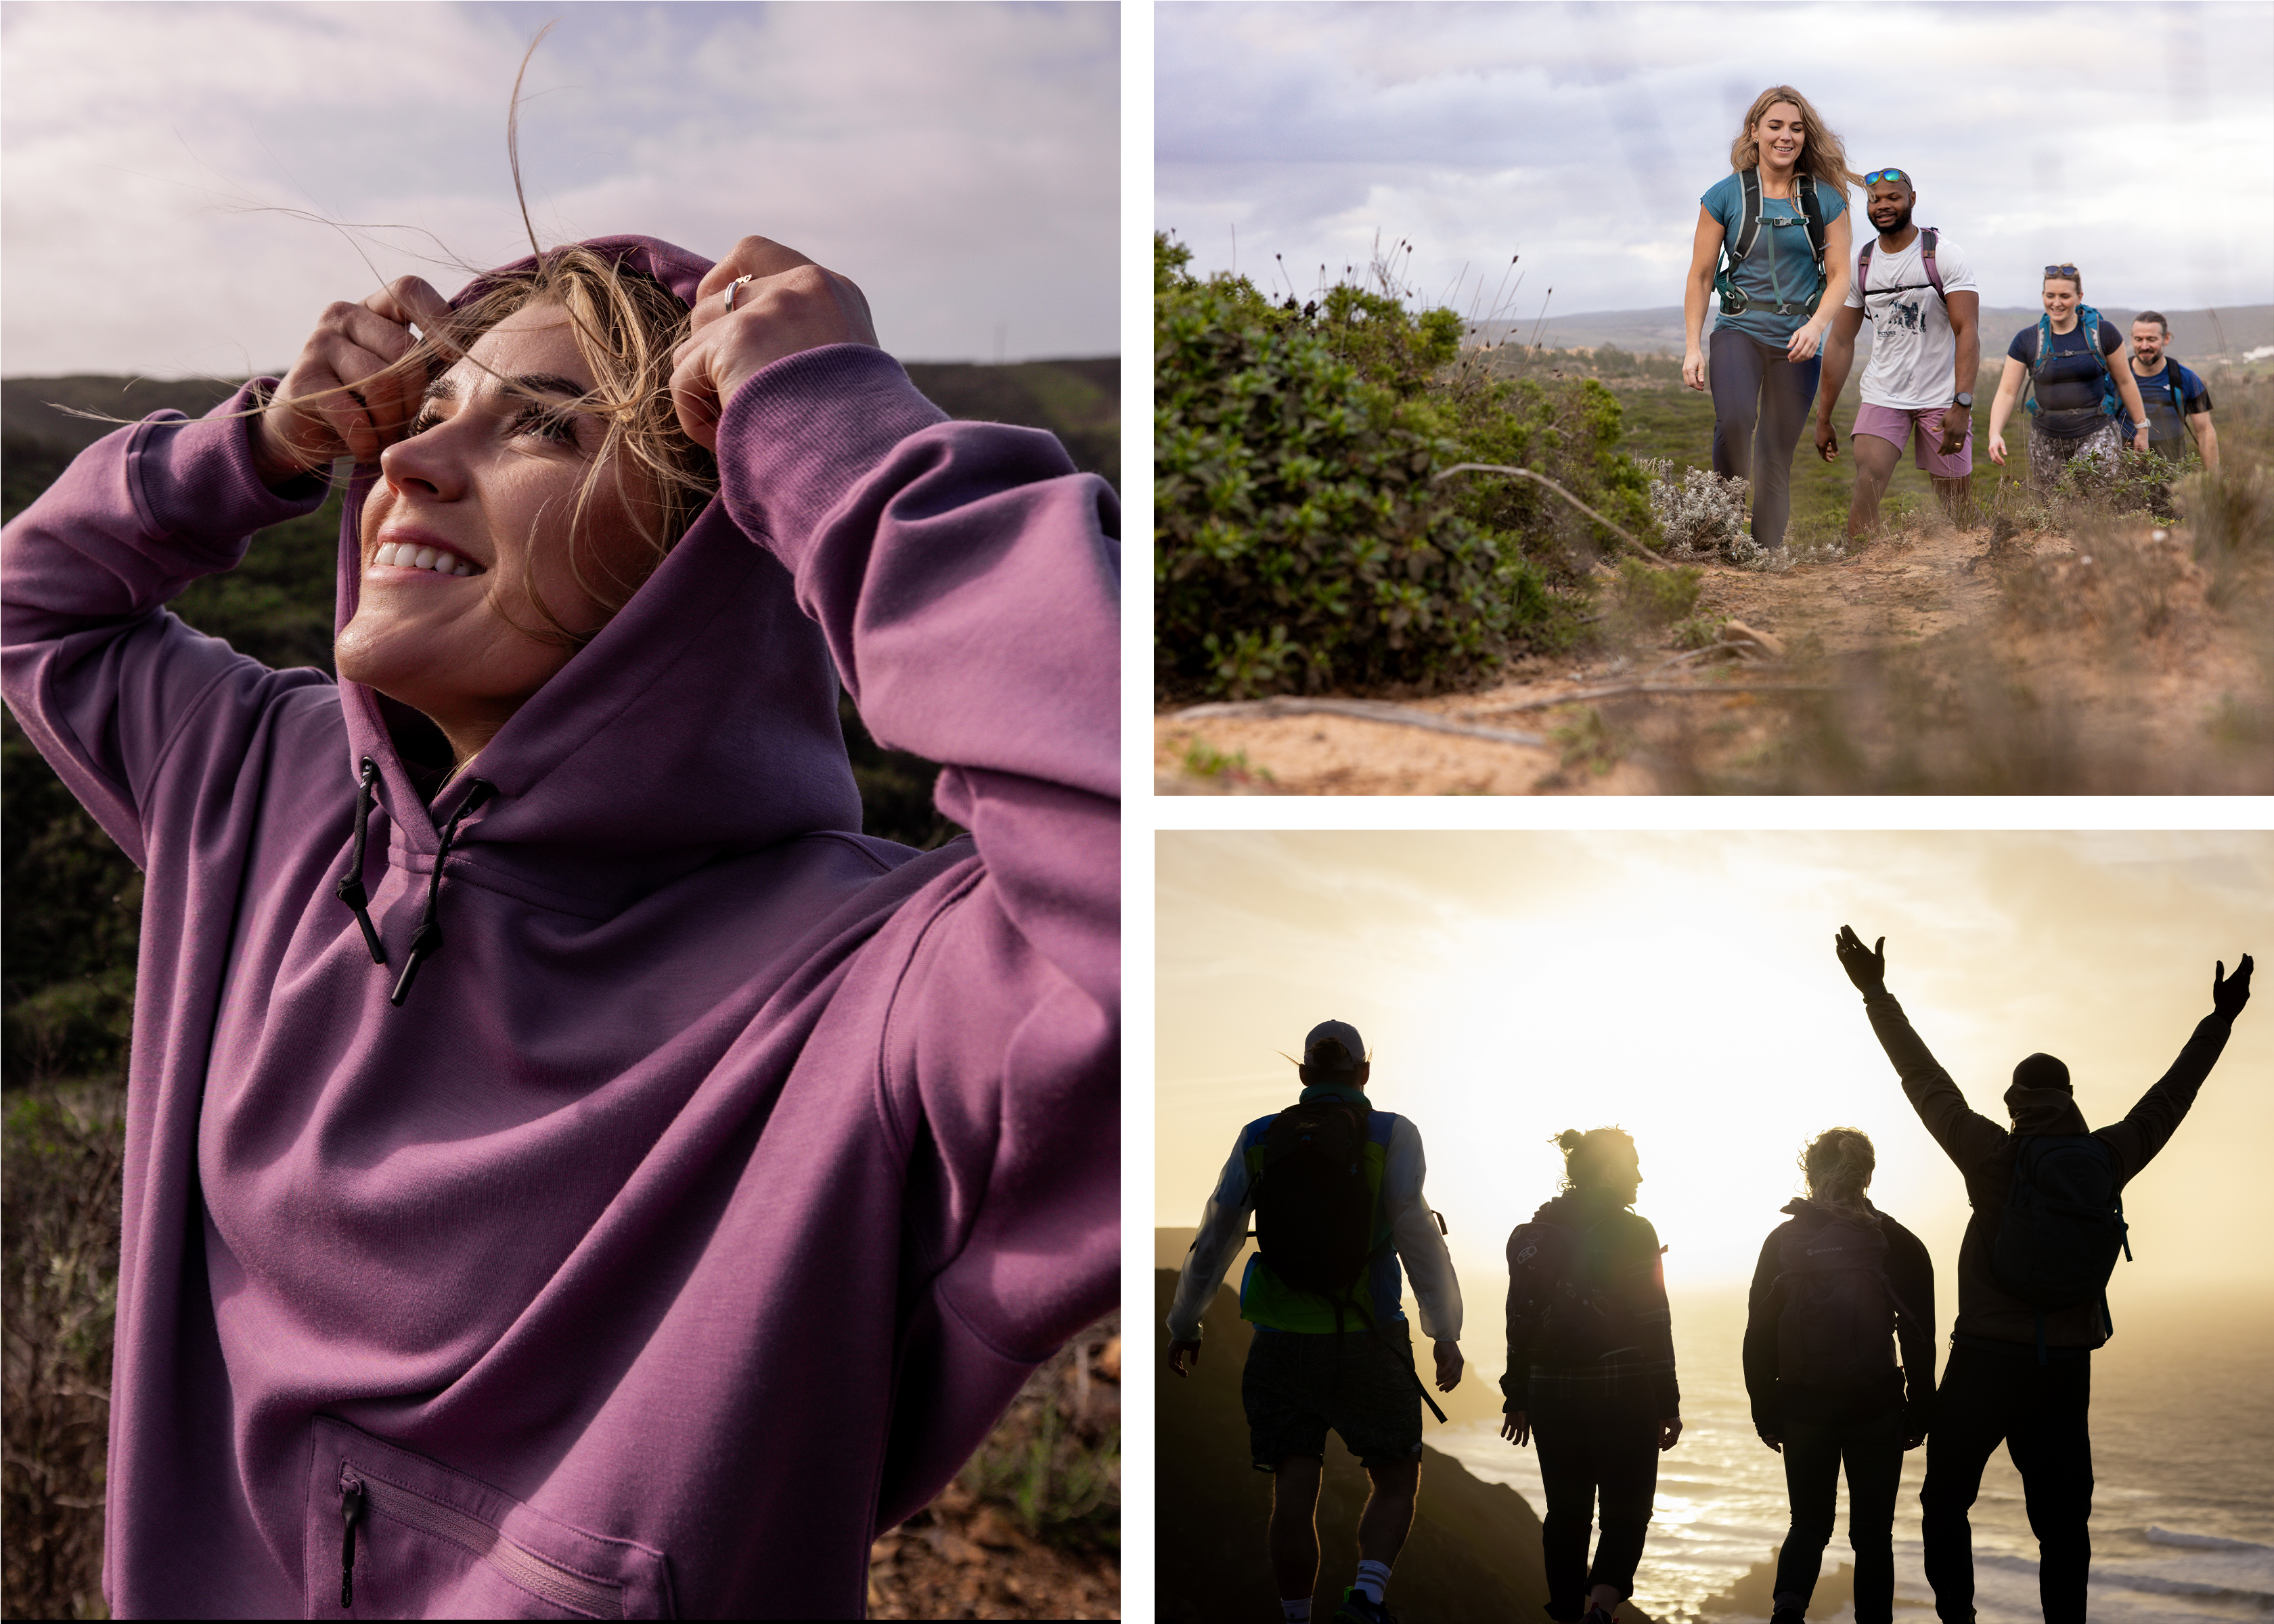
column 1760, row 405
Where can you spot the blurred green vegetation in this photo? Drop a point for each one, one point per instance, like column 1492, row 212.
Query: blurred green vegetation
column 1301, row 539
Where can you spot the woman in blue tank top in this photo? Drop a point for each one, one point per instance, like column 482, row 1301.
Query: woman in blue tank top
column 1778, row 295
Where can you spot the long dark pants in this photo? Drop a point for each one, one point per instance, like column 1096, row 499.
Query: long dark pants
column 1589, row 1442
column 1813, row 1453
column 2038, row 1412
column 1760, row 405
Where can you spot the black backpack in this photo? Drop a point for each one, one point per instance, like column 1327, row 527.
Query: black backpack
column 1835, row 1330
column 1313, row 1209
column 1555, row 1283
column 2063, row 1226
column 1733, row 299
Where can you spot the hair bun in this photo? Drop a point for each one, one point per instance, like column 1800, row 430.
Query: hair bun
column 1568, row 1140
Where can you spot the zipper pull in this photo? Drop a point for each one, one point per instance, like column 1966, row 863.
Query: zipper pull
column 350, row 1514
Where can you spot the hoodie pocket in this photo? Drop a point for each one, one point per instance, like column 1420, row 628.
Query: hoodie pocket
column 394, row 1535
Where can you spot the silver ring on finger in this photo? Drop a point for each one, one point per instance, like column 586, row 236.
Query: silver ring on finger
column 731, row 286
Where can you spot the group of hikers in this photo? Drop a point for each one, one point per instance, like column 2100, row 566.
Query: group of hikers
column 1775, row 242
column 1838, row 1354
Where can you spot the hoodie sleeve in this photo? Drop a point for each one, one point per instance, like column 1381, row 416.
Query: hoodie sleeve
column 1420, row 1243
column 1911, row 1272
column 1966, row 1136
column 103, row 679
column 1224, row 1227
column 966, row 579
column 1760, row 1348
column 1524, row 1327
column 1654, row 1322
column 2149, row 1125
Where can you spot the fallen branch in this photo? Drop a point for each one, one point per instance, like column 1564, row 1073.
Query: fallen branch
column 1641, row 552
column 1621, row 689
column 1359, row 709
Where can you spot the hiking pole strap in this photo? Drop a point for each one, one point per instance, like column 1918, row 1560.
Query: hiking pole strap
column 1415, row 1376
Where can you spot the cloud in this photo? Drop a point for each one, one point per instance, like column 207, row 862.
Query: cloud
column 1583, row 135
column 961, row 162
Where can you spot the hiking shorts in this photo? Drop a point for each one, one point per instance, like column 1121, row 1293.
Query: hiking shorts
column 1922, row 429
column 1298, row 1385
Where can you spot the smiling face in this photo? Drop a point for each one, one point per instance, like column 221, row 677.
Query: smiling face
column 2061, row 296
column 1889, row 204
column 1782, row 135
column 470, row 527
column 2148, row 339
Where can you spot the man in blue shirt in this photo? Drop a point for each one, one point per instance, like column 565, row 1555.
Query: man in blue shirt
column 2170, row 421
column 1340, row 1360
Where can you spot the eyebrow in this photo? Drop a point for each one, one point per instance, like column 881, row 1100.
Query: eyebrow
column 446, row 387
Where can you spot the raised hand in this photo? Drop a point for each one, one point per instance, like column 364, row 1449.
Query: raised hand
column 1866, row 966
column 783, row 302
column 347, row 395
column 2230, row 993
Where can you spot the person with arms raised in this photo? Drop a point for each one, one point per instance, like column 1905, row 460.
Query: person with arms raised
column 2033, row 1270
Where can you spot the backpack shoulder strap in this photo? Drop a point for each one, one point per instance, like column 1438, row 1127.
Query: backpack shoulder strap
column 1811, row 213
column 1864, row 271
column 1749, row 223
column 1928, row 238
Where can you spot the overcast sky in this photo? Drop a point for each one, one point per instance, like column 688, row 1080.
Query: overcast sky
column 1582, row 135
column 1511, row 985
column 961, row 162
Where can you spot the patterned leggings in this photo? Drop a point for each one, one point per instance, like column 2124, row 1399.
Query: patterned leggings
column 2049, row 453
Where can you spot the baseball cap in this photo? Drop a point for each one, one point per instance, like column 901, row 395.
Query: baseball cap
column 1336, row 1032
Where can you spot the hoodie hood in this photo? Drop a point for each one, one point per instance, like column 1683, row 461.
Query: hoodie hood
column 1579, row 1208
column 1814, row 1214
column 710, row 675
column 2043, row 1110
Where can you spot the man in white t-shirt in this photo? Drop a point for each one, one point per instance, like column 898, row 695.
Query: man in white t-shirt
column 1926, row 349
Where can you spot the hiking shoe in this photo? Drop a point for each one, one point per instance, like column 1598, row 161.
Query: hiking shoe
column 1788, row 1615
column 1356, row 1609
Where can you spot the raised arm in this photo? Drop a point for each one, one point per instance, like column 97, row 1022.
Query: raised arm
column 1965, row 1135
column 966, row 579
column 2149, row 1125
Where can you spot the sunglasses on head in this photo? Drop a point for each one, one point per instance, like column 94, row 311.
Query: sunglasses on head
column 2060, row 270
column 1876, row 176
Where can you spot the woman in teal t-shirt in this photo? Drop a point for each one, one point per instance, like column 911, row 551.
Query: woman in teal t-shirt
column 1776, row 301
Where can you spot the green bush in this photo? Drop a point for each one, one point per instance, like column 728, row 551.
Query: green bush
column 1300, row 543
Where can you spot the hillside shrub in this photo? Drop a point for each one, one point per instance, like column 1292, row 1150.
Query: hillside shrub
column 1301, row 544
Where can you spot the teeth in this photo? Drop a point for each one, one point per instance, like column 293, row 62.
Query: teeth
column 403, row 555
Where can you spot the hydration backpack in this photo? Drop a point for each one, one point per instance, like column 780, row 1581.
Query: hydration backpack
column 2063, row 1226
column 1929, row 236
column 1836, row 1328
column 2087, row 321
column 1555, row 1283
column 1313, row 1206
column 1733, row 299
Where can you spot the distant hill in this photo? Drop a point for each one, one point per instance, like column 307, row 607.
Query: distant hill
column 1474, row 1557
column 1079, row 400
column 2195, row 334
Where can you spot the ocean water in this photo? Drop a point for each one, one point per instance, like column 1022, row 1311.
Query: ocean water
column 2183, row 1463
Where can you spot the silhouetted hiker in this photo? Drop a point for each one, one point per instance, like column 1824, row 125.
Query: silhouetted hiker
column 1591, row 1369
column 2032, row 1273
column 1837, row 1286
column 1336, row 1188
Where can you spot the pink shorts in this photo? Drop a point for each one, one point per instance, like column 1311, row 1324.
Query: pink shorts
column 1923, row 431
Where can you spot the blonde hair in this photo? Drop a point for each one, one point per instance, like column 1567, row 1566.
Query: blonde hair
column 2075, row 278
column 1822, row 153
column 1598, row 1158
column 1839, row 1162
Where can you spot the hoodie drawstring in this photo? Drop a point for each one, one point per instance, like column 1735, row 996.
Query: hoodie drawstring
column 426, row 941
column 350, row 890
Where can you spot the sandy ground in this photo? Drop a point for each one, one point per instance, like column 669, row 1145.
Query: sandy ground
column 1939, row 660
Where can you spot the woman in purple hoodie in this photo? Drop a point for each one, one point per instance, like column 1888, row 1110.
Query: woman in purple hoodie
column 569, row 1167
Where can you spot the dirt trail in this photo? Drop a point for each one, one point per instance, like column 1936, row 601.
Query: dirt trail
column 1941, row 660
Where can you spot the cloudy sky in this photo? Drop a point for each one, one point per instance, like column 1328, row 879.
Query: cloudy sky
column 1683, row 986
column 961, row 162
column 1581, row 137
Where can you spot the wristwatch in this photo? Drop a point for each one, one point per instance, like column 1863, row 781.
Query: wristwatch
column 1962, row 399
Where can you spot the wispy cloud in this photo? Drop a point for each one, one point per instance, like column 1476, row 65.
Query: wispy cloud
column 961, row 163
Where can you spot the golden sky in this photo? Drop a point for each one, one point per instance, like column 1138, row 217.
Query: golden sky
column 1683, row 986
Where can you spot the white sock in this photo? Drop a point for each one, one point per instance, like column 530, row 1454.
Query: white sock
column 1295, row 1609
column 1373, row 1579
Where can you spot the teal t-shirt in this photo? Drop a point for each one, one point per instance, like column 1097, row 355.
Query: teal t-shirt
column 1780, row 267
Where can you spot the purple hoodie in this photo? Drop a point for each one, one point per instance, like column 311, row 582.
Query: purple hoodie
column 726, row 1170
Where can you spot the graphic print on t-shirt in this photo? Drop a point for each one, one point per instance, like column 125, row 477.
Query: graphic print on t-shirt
column 1914, row 352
